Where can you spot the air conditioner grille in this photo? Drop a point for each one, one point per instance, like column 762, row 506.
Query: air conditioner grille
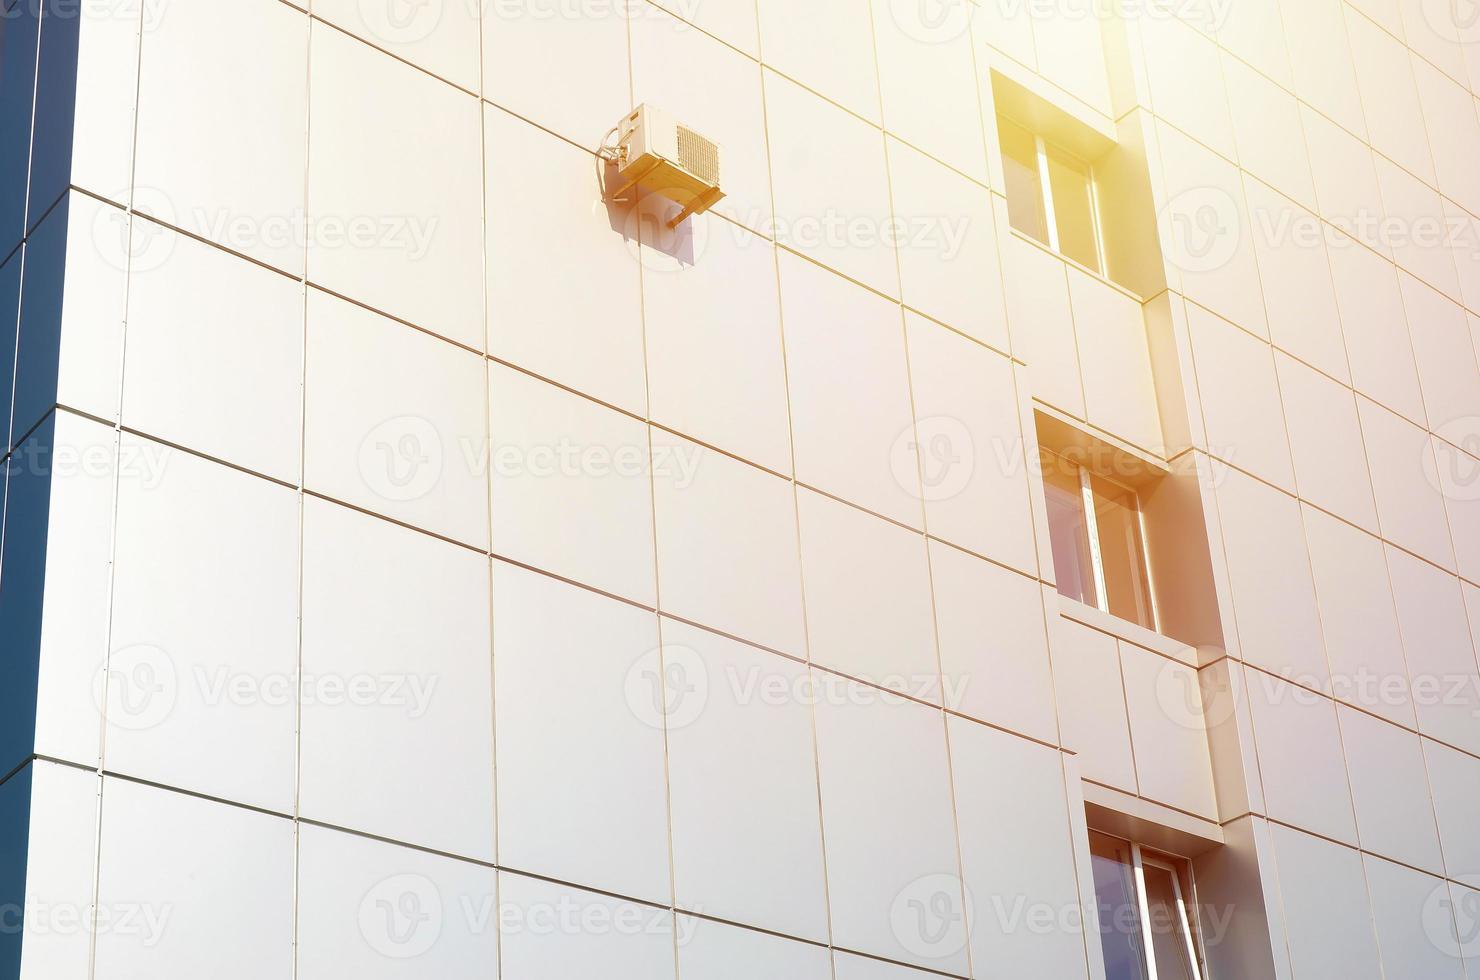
column 698, row 155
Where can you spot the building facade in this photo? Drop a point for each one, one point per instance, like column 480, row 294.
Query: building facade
column 1030, row 527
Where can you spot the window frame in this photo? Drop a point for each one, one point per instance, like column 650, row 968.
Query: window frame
column 1140, row 862
column 1045, row 193
column 1092, row 529
column 1174, row 867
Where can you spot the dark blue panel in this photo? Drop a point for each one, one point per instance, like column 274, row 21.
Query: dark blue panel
column 22, row 587
column 15, row 829
column 10, row 300
column 56, row 106
column 19, row 36
column 38, row 346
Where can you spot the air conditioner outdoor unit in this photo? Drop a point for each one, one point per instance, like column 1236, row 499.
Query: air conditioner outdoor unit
column 662, row 156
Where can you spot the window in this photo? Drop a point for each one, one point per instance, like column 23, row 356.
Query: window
column 1145, row 929
column 1097, row 536
column 1051, row 195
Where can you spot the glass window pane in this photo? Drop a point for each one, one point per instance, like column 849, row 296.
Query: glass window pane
column 1024, row 186
column 1120, row 914
column 1068, row 530
column 1073, row 207
column 1168, row 940
column 1122, row 552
